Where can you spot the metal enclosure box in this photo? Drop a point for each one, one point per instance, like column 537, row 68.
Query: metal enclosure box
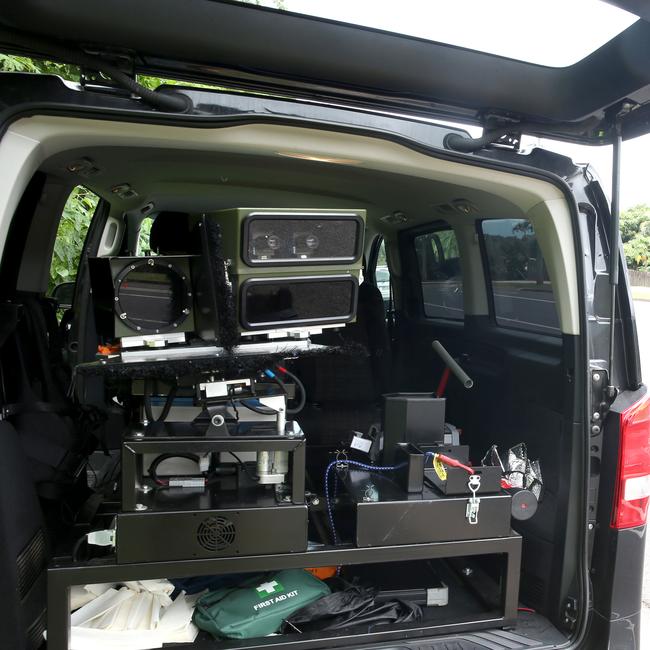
column 418, row 418
column 337, row 235
column 185, row 535
column 289, row 268
column 111, row 276
column 401, row 518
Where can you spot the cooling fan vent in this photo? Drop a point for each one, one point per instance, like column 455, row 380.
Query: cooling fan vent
column 215, row 533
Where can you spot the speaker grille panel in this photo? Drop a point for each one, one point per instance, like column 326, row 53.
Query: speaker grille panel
column 270, row 302
column 282, row 238
column 216, row 533
column 31, row 561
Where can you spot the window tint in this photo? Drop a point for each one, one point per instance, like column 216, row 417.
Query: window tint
column 440, row 275
column 522, row 293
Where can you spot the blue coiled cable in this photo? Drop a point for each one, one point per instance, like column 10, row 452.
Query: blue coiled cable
column 354, row 463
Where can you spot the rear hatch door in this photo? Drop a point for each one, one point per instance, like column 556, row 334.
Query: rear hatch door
column 291, row 54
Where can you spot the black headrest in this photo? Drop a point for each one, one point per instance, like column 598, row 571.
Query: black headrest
column 170, row 233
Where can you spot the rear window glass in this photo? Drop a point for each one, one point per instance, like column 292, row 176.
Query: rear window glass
column 446, row 22
column 521, row 290
column 439, row 266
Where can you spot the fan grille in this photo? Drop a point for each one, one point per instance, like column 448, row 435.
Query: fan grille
column 215, row 533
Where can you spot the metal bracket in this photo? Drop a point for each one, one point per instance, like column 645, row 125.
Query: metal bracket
column 341, row 459
column 600, row 399
column 570, row 613
column 474, row 503
column 511, row 140
column 90, row 78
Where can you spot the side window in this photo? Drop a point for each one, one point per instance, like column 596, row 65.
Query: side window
column 70, row 236
column 440, row 275
column 144, row 247
column 521, row 290
column 382, row 274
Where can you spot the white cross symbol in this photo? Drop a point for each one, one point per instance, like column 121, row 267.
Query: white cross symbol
column 268, row 587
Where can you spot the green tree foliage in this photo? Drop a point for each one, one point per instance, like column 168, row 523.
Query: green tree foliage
column 635, row 233
column 71, row 234
column 82, row 202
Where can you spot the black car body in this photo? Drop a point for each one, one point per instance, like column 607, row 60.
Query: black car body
column 548, row 370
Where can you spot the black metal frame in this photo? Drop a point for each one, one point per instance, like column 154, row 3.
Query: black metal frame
column 61, row 577
column 133, row 449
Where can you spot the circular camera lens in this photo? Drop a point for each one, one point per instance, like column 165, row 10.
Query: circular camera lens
column 311, row 241
column 151, row 296
column 273, row 242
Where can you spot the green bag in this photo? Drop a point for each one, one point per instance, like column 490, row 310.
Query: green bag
column 258, row 607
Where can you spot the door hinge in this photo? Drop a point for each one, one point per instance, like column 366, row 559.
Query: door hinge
column 601, row 399
column 570, row 616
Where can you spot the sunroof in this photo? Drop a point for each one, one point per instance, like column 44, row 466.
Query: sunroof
column 548, row 32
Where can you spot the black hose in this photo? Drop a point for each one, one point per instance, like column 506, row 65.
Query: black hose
column 172, row 103
column 457, row 142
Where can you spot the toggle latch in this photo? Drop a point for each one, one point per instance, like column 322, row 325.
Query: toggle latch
column 471, row 512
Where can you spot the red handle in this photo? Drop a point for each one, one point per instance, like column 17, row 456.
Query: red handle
column 442, row 386
column 452, row 462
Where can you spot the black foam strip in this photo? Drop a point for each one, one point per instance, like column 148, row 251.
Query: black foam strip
column 230, row 365
column 228, row 329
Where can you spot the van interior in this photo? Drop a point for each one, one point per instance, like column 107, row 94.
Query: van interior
column 476, row 255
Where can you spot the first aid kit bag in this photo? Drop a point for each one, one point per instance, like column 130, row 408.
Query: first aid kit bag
column 258, row 607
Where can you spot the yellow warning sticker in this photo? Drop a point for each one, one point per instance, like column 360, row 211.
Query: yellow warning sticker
column 440, row 469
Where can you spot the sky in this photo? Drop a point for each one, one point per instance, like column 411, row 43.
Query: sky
column 552, row 33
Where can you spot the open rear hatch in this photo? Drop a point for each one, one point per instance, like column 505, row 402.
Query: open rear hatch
column 228, row 44
column 251, row 47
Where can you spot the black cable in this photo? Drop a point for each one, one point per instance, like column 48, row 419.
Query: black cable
column 169, row 401
column 159, row 459
column 234, row 408
column 171, row 396
column 242, row 464
column 280, row 383
column 76, row 547
column 262, row 410
column 303, row 393
column 147, row 401
column 290, row 411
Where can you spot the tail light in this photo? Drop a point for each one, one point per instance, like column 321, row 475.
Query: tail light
column 633, row 481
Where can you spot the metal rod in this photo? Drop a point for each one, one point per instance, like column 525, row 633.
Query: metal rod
column 614, row 240
column 451, row 363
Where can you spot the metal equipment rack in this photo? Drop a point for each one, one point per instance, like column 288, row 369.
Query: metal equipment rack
column 134, row 446
column 61, row 577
